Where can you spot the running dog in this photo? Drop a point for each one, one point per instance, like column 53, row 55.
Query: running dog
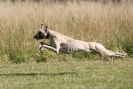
column 59, row 41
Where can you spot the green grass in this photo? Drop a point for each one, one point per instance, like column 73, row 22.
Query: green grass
column 98, row 74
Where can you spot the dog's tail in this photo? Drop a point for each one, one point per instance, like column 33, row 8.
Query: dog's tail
column 104, row 52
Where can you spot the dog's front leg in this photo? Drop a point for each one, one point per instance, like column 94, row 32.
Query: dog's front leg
column 57, row 44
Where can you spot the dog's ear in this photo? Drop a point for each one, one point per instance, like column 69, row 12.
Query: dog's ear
column 46, row 29
column 42, row 26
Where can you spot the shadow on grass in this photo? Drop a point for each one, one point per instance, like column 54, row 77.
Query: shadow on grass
column 34, row 74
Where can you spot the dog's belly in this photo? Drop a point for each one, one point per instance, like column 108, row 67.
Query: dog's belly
column 75, row 45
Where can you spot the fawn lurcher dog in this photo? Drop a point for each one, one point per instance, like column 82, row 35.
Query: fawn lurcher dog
column 59, row 41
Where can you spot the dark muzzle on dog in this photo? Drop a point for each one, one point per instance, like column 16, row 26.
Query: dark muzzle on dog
column 39, row 36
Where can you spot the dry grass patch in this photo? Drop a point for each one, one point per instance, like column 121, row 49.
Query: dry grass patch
column 109, row 24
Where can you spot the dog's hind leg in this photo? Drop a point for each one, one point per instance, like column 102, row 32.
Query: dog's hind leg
column 104, row 52
column 100, row 49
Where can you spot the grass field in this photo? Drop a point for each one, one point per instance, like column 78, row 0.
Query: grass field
column 111, row 74
column 109, row 24
column 23, row 67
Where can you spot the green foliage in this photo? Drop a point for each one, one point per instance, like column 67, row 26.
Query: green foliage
column 16, row 57
column 128, row 47
column 83, row 56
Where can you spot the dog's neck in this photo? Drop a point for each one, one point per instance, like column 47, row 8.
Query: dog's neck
column 52, row 34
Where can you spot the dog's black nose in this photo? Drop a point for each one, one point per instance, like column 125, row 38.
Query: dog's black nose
column 35, row 37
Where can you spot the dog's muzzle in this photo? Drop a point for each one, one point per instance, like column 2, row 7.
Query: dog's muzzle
column 35, row 37
column 39, row 37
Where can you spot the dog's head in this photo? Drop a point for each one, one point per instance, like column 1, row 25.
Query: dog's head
column 42, row 33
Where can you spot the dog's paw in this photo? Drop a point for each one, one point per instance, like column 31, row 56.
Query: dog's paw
column 41, row 47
